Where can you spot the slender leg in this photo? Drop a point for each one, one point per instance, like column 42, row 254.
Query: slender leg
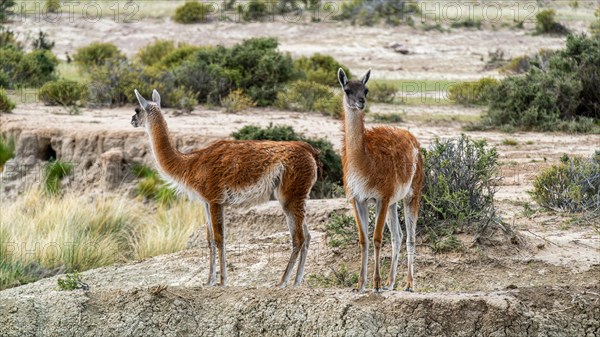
column 411, row 209
column 361, row 215
column 212, row 273
column 382, row 207
column 216, row 217
column 396, row 231
column 303, row 254
column 294, row 215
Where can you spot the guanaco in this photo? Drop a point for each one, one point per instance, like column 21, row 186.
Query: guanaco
column 384, row 165
column 229, row 172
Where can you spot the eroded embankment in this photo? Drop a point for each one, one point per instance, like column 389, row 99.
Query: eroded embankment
column 181, row 311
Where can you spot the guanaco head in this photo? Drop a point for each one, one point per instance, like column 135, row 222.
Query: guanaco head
column 355, row 91
column 146, row 108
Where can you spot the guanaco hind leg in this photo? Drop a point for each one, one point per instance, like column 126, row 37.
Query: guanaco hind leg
column 212, row 273
column 294, row 215
column 396, row 234
column 411, row 212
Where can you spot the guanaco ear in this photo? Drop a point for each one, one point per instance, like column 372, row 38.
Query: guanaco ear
column 142, row 100
column 342, row 77
column 365, row 78
column 156, row 97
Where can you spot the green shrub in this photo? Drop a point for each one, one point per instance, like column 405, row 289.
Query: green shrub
column 97, row 54
column 310, row 96
column 192, row 12
column 6, row 9
column 254, row 66
column 7, row 150
column 552, row 95
column 27, row 69
column 337, row 278
column 330, row 180
column 341, row 230
column 6, row 104
column 467, row 23
column 472, row 93
column 72, row 281
column 42, row 42
column 382, row 92
column 63, row 92
column 182, row 99
column 55, row 171
column 153, row 53
column 573, row 185
column 545, row 23
column 236, row 101
column 7, row 37
column 460, row 182
column 263, row 69
column 371, row 12
column 320, row 68
column 53, row 6
column 255, row 10
column 113, row 82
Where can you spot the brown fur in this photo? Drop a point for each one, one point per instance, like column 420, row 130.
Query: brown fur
column 218, row 173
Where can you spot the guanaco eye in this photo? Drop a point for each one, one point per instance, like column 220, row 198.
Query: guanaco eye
column 366, row 91
column 347, row 92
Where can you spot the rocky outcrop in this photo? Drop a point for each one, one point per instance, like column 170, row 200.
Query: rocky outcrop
column 101, row 159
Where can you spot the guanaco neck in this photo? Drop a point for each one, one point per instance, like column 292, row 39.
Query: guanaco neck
column 167, row 157
column 354, row 131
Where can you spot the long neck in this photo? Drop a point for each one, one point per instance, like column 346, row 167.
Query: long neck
column 168, row 158
column 354, row 130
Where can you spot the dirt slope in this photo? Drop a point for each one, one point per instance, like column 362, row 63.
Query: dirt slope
column 170, row 309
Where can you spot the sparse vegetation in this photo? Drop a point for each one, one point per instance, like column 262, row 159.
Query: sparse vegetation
column 7, row 150
column 152, row 187
column 310, row 96
column 341, row 230
column 339, row 277
column 573, row 185
column 444, row 242
column 72, row 281
column 6, row 104
column 329, row 183
column 460, row 182
column 472, row 93
column 510, row 142
column 545, row 23
column 237, row 101
column 42, row 42
column 97, row 54
column 387, row 118
column 371, row 12
column 467, row 23
column 561, row 94
column 52, row 6
column 54, row 172
column 382, row 92
column 320, row 68
column 192, row 12
column 63, row 92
